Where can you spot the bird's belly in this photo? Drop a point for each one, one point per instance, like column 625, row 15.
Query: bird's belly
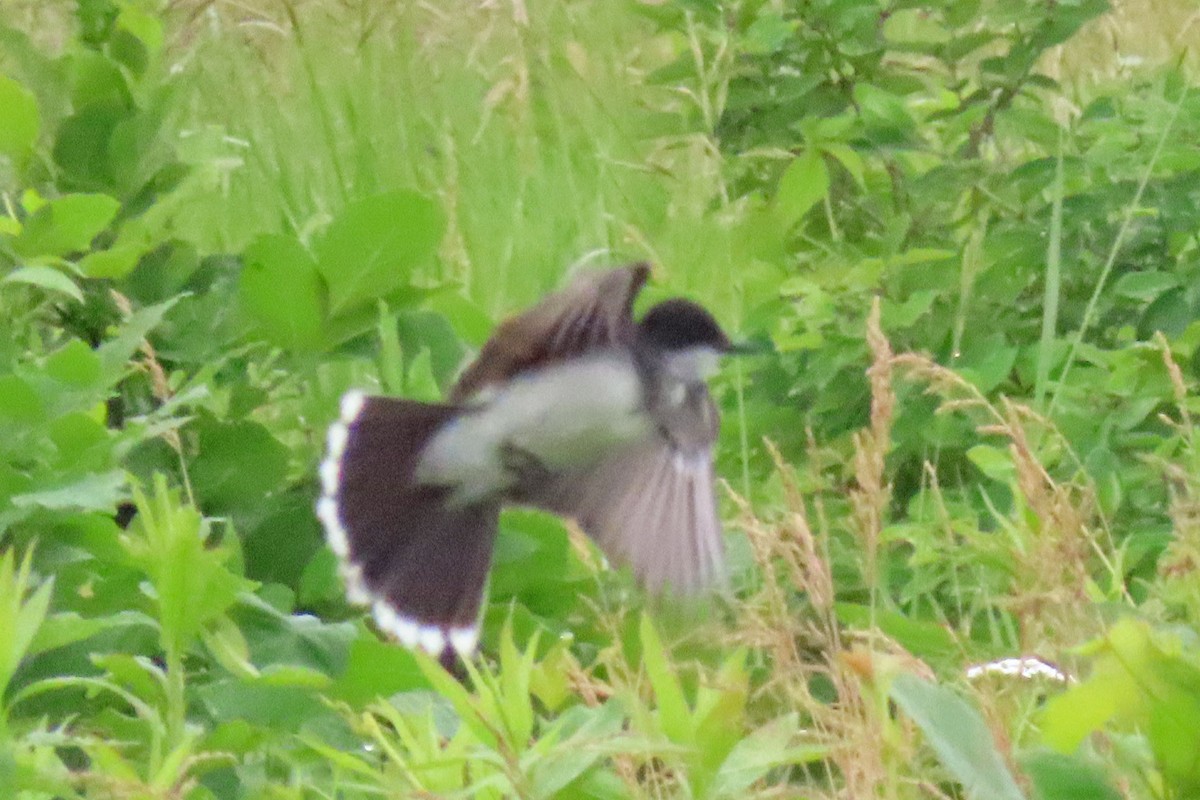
column 563, row 417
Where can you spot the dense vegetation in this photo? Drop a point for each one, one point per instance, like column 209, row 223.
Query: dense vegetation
column 969, row 240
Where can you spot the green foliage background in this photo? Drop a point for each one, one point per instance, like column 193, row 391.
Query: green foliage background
column 966, row 229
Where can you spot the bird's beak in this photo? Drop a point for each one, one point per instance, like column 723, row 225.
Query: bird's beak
column 748, row 347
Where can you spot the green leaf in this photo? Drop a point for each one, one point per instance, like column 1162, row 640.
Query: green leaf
column 803, row 184
column 66, row 225
column 238, row 464
column 100, row 492
column 1060, row 777
column 768, row 33
column 97, row 80
column 768, row 747
column 994, row 462
column 469, row 321
column 20, row 119
column 277, row 636
column 959, row 736
column 146, row 27
column 463, row 701
column 261, row 703
column 116, row 262
column 419, row 383
column 68, row 627
column 1144, row 680
column 47, row 278
column 1171, row 313
column 924, row 638
column 20, row 404
column 1145, row 286
column 372, row 248
column 591, row 734
column 191, row 583
column 672, row 709
column 23, row 609
column 849, row 158
column 282, row 289
column 74, row 364
column 81, row 147
column 376, row 669
column 116, row 353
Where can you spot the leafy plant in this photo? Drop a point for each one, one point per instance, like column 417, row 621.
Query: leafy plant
column 967, row 443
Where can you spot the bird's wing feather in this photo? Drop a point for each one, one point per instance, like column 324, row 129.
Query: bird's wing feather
column 595, row 311
column 650, row 506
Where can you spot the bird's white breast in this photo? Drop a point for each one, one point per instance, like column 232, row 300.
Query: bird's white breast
column 565, row 416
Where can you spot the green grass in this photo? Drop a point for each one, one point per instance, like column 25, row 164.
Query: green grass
column 970, row 438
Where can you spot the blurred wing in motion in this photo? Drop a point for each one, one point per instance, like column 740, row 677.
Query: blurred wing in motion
column 594, row 312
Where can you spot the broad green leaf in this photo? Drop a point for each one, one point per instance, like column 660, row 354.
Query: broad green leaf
column 1142, row 679
column 1174, row 729
column 116, row 262
column 20, row 403
column 280, row 708
column 100, row 492
column 768, row 33
column 47, row 278
column 275, row 635
column 959, row 736
column 419, row 383
column 97, row 80
column 1171, row 313
column 803, row 184
column 227, row 644
column 1110, row 692
column 1145, row 286
column 67, row 627
column 376, row 670
column 291, row 675
column 469, row 321
column 373, row 247
column 994, row 462
column 282, row 289
column 1061, row 777
column 74, row 364
column 145, row 26
column 884, row 113
column 20, row 119
column 238, row 463
column 849, row 158
column 81, row 147
column 66, row 225
column 82, row 442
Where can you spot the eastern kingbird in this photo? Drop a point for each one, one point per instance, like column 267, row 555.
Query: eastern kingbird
column 572, row 407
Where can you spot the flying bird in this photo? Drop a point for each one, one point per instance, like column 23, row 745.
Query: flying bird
column 572, row 407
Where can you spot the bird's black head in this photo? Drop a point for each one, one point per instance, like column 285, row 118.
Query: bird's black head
column 678, row 324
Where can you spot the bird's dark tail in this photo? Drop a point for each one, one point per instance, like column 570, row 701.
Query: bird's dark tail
column 418, row 560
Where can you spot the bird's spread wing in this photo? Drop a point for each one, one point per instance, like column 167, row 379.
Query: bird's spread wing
column 594, row 311
column 651, row 506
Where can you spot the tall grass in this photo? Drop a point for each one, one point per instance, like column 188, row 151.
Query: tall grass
column 536, row 124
